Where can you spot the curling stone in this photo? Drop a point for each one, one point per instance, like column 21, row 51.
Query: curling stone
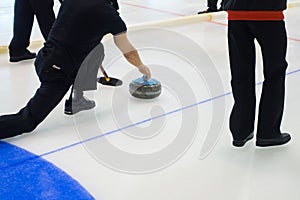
column 145, row 89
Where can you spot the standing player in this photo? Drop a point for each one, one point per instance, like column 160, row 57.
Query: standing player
column 261, row 20
column 24, row 13
column 212, row 7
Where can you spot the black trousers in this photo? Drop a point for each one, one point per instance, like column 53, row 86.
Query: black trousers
column 55, row 83
column 213, row 4
column 54, row 86
column 272, row 38
column 24, row 12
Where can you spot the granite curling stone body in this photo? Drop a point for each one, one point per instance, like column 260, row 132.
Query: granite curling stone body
column 145, row 89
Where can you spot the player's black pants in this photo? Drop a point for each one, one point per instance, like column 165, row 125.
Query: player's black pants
column 212, row 4
column 271, row 36
column 24, row 12
column 54, row 86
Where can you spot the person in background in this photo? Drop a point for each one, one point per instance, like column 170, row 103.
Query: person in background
column 212, row 7
column 24, row 12
column 262, row 21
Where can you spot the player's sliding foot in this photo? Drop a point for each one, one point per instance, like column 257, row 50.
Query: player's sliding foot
column 74, row 106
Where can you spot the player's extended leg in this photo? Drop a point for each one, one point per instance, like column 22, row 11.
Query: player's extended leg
column 54, row 85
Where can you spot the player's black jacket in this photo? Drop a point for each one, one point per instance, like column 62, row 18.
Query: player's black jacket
column 255, row 5
column 78, row 29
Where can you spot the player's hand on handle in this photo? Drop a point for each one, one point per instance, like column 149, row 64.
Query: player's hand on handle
column 131, row 54
column 145, row 70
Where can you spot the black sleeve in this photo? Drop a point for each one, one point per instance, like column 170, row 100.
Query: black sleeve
column 118, row 25
column 115, row 4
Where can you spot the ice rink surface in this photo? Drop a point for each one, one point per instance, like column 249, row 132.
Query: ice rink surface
column 175, row 147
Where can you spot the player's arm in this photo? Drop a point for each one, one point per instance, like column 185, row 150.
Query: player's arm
column 130, row 53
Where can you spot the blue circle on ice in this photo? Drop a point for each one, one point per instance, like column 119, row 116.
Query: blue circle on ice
column 143, row 81
column 24, row 175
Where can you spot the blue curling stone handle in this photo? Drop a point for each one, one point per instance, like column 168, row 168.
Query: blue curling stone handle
column 143, row 81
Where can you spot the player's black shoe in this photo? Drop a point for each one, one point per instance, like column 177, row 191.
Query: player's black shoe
column 25, row 56
column 74, row 106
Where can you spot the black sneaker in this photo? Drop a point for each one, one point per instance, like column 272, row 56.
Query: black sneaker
column 25, row 56
column 241, row 143
column 281, row 140
column 78, row 105
column 209, row 10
